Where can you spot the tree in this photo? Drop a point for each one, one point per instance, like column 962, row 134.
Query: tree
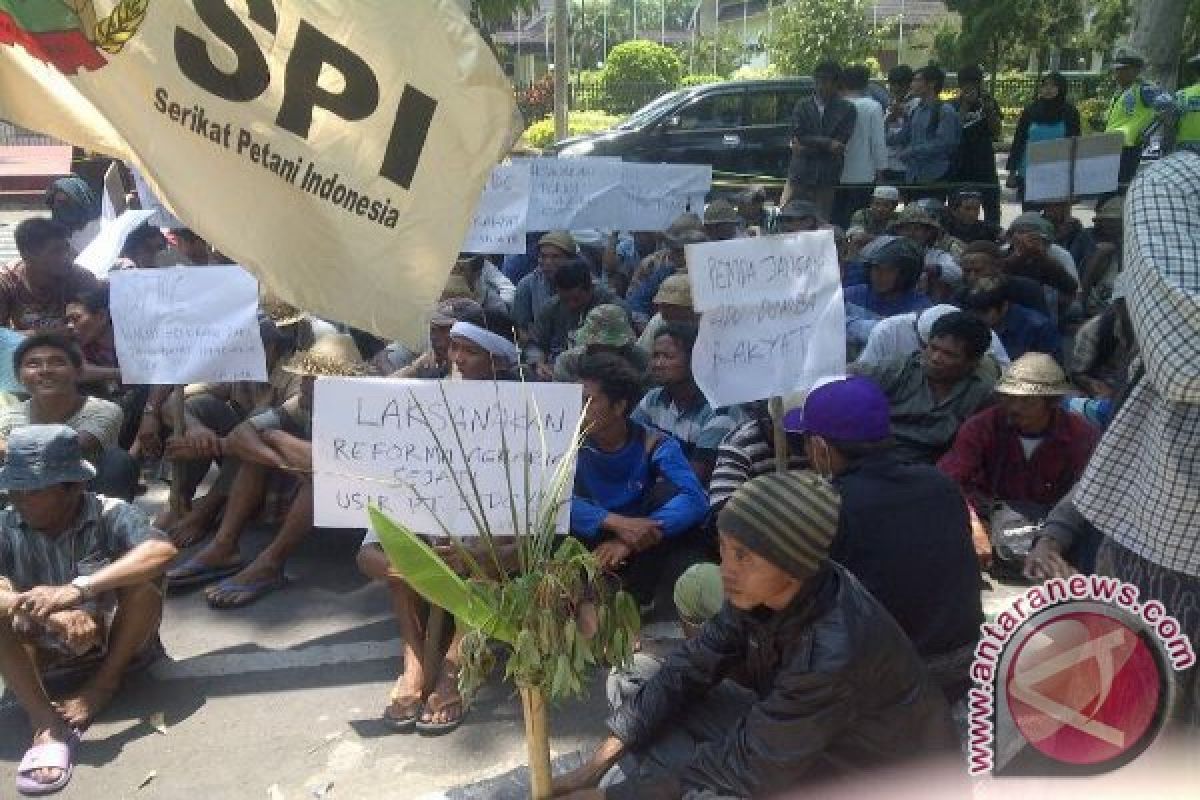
column 637, row 69
column 807, row 32
column 589, row 19
column 1157, row 34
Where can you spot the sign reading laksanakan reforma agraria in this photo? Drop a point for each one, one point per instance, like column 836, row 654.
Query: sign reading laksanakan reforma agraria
column 336, row 149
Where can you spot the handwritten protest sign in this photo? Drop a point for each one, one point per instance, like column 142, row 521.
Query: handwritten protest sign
column 187, row 325
column 773, row 318
column 578, row 193
column 99, row 256
column 112, row 202
column 499, row 222
column 1063, row 169
column 395, row 444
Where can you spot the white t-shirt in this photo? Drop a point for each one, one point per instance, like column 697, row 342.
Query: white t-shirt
column 895, row 337
column 866, row 151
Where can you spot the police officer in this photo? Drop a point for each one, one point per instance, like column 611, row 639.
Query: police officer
column 1186, row 131
column 1134, row 108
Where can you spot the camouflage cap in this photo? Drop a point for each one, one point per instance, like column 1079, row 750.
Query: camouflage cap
column 608, row 325
column 914, row 215
column 720, row 212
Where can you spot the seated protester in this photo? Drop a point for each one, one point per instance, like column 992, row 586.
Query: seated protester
column 1026, row 452
column 963, row 222
column 90, row 322
column 933, row 392
column 802, row 677
column 516, row 266
column 654, row 263
column 751, row 208
column 925, row 230
column 486, row 282
column 893, row 271
column 34, row 289
column 1029, row 256
column 278, row 440
column 189, row 250
column 904, row 529
column 1021, row 330
column 673, row 303
column 434, row 363
column 144, row 248
column 49, row 366
column 554, row 332
column 943, row 279
column 637, row 502
column 1104, row 348
column 80, row 588
column 1069, row 233
column 748, row 452
column 1098, row 274
column 535, row 292
column 875, row 218
column 721, row 221
column 678, row 408
column 1065, row 544
column 904, row 334
column 605, row 329
column 673, row 262
column 479, row 352
column 982, row 260
column 797, row 216
column 212, row 412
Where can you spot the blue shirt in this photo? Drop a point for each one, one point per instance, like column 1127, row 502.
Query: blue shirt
column 619, row 483
column 534, row 295
column 641, row 299
column 1026, row 331
column 864, row 296
column 925, row 148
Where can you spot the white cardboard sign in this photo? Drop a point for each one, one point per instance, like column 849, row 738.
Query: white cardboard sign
column 773, row 317
column 99, row 256
column 396, row 444
column 179, row 325
column 1063, row 169
column 499, row 222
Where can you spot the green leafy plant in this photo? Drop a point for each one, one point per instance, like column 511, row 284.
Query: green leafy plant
column 699, row 80
column 809, row 31
column 648, row 65
column 543, row 598
column 541, row 133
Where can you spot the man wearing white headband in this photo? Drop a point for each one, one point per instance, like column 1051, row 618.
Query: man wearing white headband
column 480, row 354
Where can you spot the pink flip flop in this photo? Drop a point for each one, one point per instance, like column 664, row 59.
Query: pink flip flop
column 48, row 755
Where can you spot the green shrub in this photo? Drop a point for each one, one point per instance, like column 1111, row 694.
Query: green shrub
column 637, row 72
column 699, row 80
column 541, row 133
column 749, row 73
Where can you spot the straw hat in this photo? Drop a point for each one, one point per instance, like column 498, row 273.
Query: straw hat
column 1034, row 375
column 281, row 313
column 720, row 212
column 676, row 290
column 333, row 356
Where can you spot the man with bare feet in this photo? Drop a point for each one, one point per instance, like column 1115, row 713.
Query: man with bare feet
column 80, row 582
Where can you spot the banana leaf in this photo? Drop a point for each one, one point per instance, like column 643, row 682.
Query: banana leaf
column 428, row 575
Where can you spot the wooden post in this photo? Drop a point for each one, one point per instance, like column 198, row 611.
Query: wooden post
column 782, row 457
column 431, row 651
column 537, row 740
column 179, row 504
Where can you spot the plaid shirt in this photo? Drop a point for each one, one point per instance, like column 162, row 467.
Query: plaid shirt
column 1142, row 487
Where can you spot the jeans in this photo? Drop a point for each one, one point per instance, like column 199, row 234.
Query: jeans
column 117, row 474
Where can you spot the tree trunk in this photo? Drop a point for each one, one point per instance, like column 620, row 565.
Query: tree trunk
column 562, row 69
column 1158, row 35
column 537, row 742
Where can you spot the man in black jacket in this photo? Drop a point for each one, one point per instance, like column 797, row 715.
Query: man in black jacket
column 821, row 126
column 801, row 677
column 904, row 529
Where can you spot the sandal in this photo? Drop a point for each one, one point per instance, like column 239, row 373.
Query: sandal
column 403, row 718
column 48, row 755
column 442, row 728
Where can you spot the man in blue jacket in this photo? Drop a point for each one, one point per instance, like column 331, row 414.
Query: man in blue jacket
column 637, row 502
column 929, row 139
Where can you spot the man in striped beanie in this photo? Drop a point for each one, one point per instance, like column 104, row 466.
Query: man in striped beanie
column 801, row 677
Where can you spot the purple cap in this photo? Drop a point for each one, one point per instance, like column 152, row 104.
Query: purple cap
column 852, row 409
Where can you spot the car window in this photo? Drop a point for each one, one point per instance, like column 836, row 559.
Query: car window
column 772, row 108
column 709, row 113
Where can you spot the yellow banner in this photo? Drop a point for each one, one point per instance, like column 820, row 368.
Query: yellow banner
column 336, row 149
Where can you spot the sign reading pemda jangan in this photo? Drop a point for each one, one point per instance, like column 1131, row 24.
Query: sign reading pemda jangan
column 414, row 448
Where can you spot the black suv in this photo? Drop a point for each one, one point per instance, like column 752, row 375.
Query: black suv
column 741, row 127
